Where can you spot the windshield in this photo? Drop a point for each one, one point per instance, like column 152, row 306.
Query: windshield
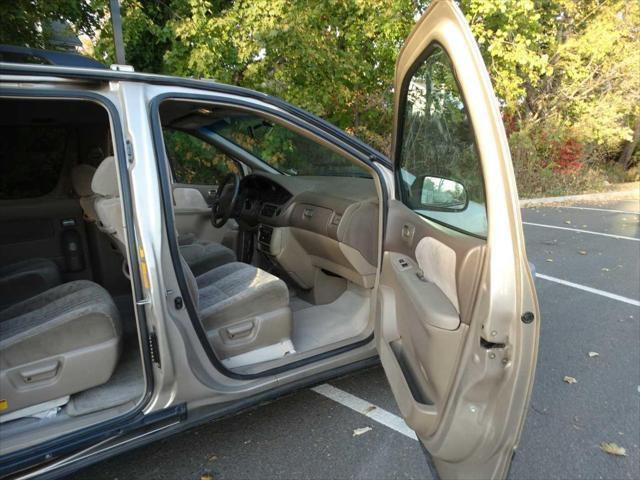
column 283, row 149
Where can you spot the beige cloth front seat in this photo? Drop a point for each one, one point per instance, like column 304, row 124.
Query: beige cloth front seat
column 243, row 309
column 201, row 256
column 57, row 343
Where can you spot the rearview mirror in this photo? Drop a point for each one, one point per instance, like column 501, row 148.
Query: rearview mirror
column 438, row 193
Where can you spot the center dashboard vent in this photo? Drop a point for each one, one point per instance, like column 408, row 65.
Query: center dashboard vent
column 268, row 210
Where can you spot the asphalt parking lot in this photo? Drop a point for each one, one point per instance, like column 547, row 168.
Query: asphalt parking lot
column 588, row 287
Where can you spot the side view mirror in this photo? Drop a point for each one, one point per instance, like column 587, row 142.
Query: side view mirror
column 437, row 193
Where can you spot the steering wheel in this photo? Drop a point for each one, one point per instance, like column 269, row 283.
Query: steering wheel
column 225, row 199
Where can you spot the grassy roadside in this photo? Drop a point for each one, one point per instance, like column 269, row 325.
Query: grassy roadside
column 535, row 181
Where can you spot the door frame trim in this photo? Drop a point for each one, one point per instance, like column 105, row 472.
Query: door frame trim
column 165, row 188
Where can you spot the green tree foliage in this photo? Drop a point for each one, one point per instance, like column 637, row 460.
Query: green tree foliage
column 333, row 58
column 195, row 161
column 515, row 37
column 584, row 113
column 28, row 22
column 565, row 71
column 595, row 85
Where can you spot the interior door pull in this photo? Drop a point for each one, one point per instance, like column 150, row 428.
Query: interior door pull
column 407, row 232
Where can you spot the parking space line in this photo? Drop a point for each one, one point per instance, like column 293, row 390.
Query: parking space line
column 611, row 235
column 602, row 293
column 365, row 408
column 599, row 210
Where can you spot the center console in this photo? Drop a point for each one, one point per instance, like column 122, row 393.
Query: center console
column 265, row 232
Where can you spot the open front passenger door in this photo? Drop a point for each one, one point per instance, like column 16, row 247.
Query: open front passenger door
column 458, row 320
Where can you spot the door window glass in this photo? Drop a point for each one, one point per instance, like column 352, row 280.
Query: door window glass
column 194, row 161
column 440, row 172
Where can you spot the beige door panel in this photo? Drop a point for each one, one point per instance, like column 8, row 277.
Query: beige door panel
column 468, row 250
column 459, row 393
column 421, row 331
column 192, row 216
column 420, row 377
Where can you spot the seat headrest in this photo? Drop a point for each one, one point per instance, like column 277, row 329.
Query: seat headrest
column 81, row 177
column 105, row 180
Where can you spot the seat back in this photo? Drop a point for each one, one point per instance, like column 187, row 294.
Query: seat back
column 192, row 284
column 108, row 209
column 81, row 178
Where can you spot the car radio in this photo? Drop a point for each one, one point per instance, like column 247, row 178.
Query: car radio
column 265, row 233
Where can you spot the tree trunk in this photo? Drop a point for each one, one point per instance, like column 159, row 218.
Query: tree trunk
column 629, row 147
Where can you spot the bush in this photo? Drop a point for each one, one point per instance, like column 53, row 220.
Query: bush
column 550, row 161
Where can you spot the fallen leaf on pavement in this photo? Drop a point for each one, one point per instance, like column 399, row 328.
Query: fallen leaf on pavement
column 569, row 379
column 360, row 431
column 593, row 354
column 549, row 259
column 369, row 409
column 613, row 449
column 206, row 476
column 577, row 424
column 568, row 222
column 582, row 252
column 605, row 269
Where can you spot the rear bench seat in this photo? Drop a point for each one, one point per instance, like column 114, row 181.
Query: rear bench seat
column 57, row 343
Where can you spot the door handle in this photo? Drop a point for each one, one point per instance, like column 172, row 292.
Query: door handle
column 407, row 232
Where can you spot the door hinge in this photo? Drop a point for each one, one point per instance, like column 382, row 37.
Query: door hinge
column 153, row 348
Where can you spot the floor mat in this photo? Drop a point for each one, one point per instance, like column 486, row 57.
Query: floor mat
column 320, row 325
column 296, row 304
column 125, row 385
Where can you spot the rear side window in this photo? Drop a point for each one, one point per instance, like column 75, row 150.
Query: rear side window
column 440, row 170
column 31, row 160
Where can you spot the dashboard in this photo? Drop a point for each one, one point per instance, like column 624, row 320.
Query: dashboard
column 261, row 199
column 307, row 222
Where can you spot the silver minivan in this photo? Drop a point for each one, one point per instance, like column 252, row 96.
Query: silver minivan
column 174, row 250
